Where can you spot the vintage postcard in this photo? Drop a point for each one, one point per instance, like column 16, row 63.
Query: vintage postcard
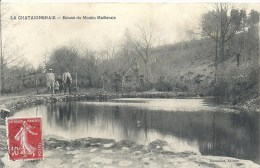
column 129, row 84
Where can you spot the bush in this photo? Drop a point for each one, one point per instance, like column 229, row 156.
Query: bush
column 245, row 88
column 163, row 86
column 180, row 86
column 144, row 87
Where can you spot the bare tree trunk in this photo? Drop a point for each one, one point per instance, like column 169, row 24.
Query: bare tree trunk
column 1, row 79
column 36, row 84
column 1, row 51
column 222, row 34
column 147, row 78
column 76, row 78
column 1, row 74
column 90, row 81
column 216, row 62
column 222, row 50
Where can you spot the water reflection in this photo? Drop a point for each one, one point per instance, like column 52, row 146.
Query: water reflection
column 212, row 133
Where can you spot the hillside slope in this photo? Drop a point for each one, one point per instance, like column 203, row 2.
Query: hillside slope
column 190, row 67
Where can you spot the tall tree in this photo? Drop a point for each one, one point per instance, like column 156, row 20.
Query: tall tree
column 127, row 52
column 221, row 24
column 253, row 32
column 1, row 52
column 144, row 43
column 89, row 65
column 62, row 58
column 10, row 55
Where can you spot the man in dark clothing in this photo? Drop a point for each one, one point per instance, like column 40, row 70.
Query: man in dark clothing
column 67, row 80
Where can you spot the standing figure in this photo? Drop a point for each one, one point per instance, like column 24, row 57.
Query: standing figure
column 26, row 148
column 50, row 77
column 57, row 86
column 59, row 79
column 67, row 80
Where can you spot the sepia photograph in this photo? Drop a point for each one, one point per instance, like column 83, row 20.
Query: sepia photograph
column 152, row 84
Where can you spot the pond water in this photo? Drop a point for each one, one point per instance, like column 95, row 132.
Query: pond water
column 187, row 124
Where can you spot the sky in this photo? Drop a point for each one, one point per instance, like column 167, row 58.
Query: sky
column 35, row 38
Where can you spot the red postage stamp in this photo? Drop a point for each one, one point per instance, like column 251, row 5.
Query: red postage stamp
column 25, row 138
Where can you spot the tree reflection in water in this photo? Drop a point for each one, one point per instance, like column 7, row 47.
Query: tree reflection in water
column 213, row 133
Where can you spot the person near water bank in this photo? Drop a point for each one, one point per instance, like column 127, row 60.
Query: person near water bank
column 67, row 80
column 50, row 78
column 57, row 86
column 59, row 79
